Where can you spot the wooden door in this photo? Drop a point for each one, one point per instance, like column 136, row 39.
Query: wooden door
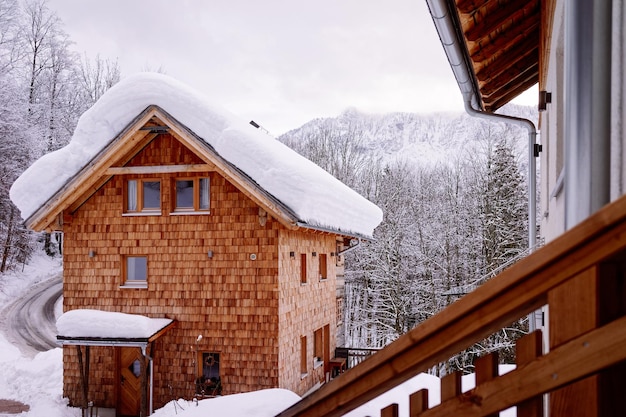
column 129, row 383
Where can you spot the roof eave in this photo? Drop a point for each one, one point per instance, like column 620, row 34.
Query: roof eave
column 449, row 30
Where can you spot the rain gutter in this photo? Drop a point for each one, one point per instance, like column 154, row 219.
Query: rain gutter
column 450, row 35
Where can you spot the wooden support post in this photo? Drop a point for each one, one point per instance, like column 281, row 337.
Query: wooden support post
column 527, row 349
column 591, row 299
column 486, row 370
column 83, row 367
column 390, row 411
column 418, row 403
column 143, row 407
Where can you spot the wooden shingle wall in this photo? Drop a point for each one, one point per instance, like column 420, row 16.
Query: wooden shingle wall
column 304, row 308
column 231, row 299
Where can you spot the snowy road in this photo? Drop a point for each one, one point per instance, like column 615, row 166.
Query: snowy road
column 30, row 321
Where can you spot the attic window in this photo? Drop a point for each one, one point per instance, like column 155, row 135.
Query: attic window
column 192, row 195
column 143, row 196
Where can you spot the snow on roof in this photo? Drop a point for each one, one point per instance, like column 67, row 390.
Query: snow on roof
column 315, row 196
column 86, row 324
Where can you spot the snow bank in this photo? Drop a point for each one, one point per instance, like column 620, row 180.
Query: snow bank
column 264, row 403
column 315, row 196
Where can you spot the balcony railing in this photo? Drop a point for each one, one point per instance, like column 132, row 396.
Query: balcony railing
column 579, row 278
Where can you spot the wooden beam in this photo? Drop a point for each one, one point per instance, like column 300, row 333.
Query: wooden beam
column 486, row 21
column 508, row 81
column 520, row 57
column 159, row 169
column 479, row 51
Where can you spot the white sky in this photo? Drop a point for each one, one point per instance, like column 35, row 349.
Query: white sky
column 278, row 62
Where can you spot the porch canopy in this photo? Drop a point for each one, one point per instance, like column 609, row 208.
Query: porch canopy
column 85, row 327
column 105, row 328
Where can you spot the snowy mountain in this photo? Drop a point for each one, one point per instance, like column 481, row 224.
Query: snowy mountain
column 416, row 138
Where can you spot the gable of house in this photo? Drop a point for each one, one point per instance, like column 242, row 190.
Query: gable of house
column 292, row 188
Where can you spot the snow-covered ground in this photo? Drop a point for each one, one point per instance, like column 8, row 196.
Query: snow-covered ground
column 37, row 381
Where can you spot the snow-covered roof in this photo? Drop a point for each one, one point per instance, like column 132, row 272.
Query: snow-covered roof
column 86, row 324
column 313, row 195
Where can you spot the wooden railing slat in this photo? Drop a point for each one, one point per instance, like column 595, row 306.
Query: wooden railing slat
column 486, row 368
column 451, row 386
column 390, row 411
column 418, row 403
column 527, row 349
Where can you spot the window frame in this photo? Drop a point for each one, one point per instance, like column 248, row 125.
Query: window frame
column 304, row 363
column 133, row 283
column 303, row 269
column 196, row 208
column 139, row 197
column 204, row 386
column 318, row 347
column 323, row 266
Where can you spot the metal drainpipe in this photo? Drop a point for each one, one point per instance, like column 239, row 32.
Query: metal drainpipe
column 532, row 164
column 532, row 180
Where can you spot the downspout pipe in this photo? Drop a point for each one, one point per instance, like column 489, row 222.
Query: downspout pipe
column 532, row 162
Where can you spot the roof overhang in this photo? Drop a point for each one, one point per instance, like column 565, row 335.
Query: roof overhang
column 493, row 46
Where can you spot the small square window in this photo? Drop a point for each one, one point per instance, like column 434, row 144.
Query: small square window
column 136, row 271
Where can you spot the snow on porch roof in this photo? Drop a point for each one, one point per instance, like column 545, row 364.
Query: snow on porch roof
column 96, row 327
column 317, row 198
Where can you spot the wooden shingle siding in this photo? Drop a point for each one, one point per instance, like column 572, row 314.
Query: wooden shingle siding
column 303, row 307
column 246, row 300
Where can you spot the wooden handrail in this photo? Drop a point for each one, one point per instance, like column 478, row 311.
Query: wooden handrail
column 518, row 290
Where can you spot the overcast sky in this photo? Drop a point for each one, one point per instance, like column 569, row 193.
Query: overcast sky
column 280, row 63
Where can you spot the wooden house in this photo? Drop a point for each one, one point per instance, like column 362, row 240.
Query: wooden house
column 227, row 242
column 574, row 364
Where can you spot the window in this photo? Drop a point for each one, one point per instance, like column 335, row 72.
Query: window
column 143, row 196
column 323, row 266
column 192, row 195
column 318, row 346
column 303, row 362
column 209, row 382
column 136, row 271
column 303, row 268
